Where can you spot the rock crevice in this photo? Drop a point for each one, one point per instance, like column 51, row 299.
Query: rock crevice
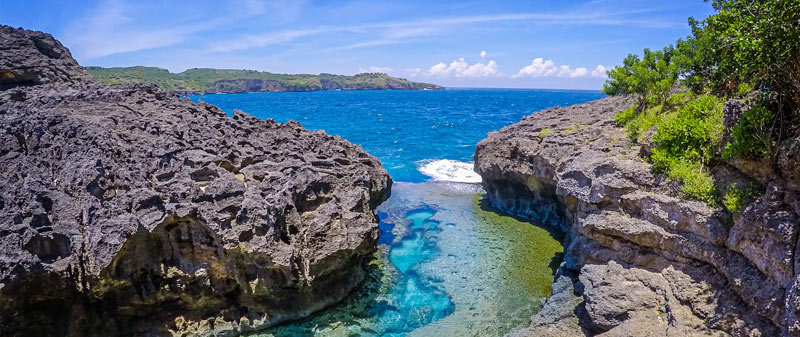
column 643, row 260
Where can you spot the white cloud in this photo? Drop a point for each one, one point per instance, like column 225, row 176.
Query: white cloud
column 374, row 69
column 600, row 71
column 541, row 68
column 413, row 72
column 538, row 68
column 483, row 54
column 566, row 71
column 460, row 68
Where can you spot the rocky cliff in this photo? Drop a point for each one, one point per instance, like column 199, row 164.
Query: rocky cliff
column 128, row 211
column 225, row 81
column 261, row 85
column 640, row 260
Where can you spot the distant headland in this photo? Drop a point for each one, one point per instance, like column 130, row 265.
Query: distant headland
column 224, row 81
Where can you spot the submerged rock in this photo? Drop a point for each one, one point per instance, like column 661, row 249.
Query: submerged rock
column 131, row 211
column 647, row 262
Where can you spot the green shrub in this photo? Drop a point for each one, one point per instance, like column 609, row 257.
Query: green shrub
column 744, row 89
column 626, row 116
column 697, row 183
column 692, row 134
column 649, row 79
column 638, row 127
column 685, row 144
column 752, row 137
column 678, row 100
column 737, row 196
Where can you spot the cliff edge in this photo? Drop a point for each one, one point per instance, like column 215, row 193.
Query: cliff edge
column 128, row 211
column 640, row 260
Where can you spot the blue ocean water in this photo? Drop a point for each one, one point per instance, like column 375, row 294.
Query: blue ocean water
column 404, row 128
column 447, row 265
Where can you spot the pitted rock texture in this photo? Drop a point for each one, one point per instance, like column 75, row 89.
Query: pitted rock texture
column 648, row 262
column 131, row 211
column 29, row 57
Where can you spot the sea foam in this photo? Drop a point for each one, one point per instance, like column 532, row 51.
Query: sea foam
column 449, row 170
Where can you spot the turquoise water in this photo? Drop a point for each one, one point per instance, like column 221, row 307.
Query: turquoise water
column 447, row 264
column 404, row 128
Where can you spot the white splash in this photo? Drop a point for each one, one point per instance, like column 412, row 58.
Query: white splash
column 449, row 170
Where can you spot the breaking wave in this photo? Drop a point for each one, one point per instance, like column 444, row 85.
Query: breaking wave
column 449, row 170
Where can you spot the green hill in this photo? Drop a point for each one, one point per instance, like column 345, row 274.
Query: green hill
column 205, row 80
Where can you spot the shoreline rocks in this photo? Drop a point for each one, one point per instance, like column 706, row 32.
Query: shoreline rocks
column 643, row 261
column 128, row 211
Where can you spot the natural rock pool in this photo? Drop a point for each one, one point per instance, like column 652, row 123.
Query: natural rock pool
column 447, row 266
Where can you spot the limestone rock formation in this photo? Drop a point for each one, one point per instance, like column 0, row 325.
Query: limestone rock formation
column 30, row 57
column 131, row 211
column 648, row 263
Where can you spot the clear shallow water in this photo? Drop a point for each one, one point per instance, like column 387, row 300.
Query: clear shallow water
column 405, row 129
column 452, row 268
column 447, row 265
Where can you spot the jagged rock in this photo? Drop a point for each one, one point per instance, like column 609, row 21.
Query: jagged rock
column 634, row 240
column 766, row 233
column 29, row 57
column 129, row 211
column 561, row 314
column 789, row 163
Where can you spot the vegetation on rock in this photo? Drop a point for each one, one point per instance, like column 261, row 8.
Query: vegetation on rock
column 747, row 48
column 233, row 80
column 737, row 196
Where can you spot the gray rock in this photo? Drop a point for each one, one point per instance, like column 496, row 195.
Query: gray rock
column 634, row 240
column 766, row 233
column 789, row 162
column 130, row 211
column 560, row 316
column 29, row 57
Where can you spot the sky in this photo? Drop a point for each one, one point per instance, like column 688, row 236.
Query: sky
column 498, row 44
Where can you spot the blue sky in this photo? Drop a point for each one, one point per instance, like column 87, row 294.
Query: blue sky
column 525, row 44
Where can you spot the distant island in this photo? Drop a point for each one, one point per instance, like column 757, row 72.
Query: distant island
column 224, row 81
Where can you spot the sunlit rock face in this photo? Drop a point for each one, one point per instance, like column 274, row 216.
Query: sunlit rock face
column 642, row 260
column 130, row 211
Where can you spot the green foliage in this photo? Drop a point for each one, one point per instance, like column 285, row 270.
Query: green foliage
column 697, row 183
column 750, row 42
column 744, row 89
column 678, row 100
column 737, row 196
column 693, row 134
column 752, row 136
column 201, row 79
column 626, row 116
column 758, row 41
column 638, row 127
column 685, row 144
column 649, row 78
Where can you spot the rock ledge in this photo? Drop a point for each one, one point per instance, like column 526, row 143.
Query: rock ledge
column 129, row 211
column 641, row 260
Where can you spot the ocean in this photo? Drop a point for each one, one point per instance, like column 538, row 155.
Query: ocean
column 447, row 265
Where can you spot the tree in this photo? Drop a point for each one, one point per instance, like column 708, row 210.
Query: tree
column 649, row 79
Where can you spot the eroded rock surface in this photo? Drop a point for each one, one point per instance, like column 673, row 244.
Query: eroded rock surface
column 29, row 57
column 129, row 211
column 648, row 262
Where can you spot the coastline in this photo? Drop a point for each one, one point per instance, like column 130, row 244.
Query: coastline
column 684, row 272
